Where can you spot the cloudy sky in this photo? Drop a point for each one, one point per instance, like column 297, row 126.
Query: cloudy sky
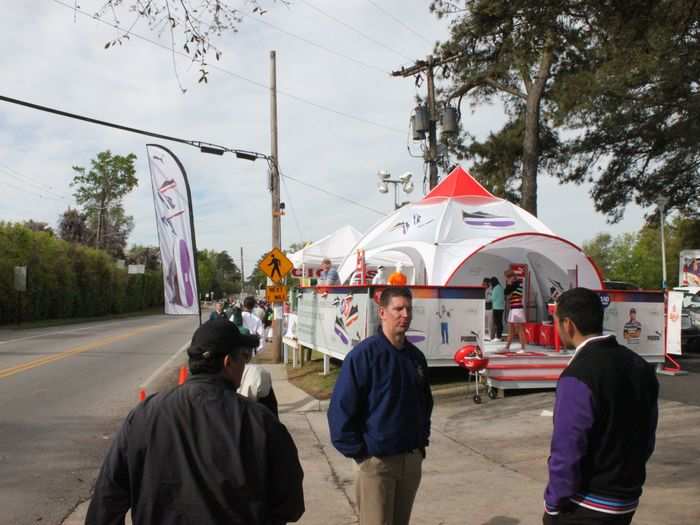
column 340, row 119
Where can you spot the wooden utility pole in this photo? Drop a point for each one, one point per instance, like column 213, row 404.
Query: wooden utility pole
column 428, row 66
column 242, row 272
column 432, row 128
column 275, row 191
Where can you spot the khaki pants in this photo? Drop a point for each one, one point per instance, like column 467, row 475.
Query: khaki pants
column 386, row 487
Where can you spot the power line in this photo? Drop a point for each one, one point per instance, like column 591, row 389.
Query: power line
column 29, row 190
column 231, row 73
column 291, row 206
column 354, row 29
column 341, row 197
column 27, row 180
column 315, row 44
column 398, row 21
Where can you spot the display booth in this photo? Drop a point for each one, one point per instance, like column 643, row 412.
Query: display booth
column 447, row 244
column 336, row 246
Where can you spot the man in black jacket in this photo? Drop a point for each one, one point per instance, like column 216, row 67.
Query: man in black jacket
column 605, row 419
column 202, row 454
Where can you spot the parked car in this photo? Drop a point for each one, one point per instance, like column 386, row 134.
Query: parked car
column 690, row 318
column 619, row 285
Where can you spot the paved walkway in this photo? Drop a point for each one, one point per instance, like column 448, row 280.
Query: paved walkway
column 486, row 464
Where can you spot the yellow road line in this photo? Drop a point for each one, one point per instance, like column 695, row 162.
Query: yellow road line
column 7, row 372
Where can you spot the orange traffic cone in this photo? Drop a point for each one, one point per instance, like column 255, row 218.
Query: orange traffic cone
column 183, row 375
column 142, row 394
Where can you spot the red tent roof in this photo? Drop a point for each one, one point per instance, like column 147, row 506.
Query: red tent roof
column 459, row 183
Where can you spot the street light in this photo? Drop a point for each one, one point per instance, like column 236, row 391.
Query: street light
column 404, row 180
column 661, row 202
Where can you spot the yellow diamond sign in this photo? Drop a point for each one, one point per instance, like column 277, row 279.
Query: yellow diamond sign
column 276, row 293
column 276, row 265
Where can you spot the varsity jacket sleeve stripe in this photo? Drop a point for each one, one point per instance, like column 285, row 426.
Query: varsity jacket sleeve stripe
column 573, row 420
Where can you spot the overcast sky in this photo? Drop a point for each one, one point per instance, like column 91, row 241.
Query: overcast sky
column 54, row 58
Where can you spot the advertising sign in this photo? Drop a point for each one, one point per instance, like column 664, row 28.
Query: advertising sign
column 332, row 322
column 689, row 271
column 20, row 278
column 276, row 294
column 636, row 319
column 674, row 323
column 443, row 319
column 172, row 203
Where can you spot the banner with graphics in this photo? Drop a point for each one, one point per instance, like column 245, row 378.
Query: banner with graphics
column 173, row 207
column 674, row 323
column 637, row 320
column 689, row 271
column 333, row 320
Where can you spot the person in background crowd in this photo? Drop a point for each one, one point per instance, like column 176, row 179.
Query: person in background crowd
column 218, row 312
column 380, row 276
column 256, row 383
column 498, row 304
column 516, row 309
column 329, row 275
column 259, row 311
column 380, row 412
column 237, row 319
column 398, row 278
column 605, row 418
column 200, row 453
column 488, row 309
column 252, row 322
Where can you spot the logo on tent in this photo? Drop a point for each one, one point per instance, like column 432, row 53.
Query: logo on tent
column 486, row 220
column 417, row 221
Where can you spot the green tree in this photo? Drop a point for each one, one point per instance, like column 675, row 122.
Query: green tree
column 73, row 227
column 513, row 49
column 100, row 191
column 147, row 255
column 635, row 106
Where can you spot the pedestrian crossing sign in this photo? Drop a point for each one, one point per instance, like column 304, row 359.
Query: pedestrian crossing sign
column 276, row 265
column 276, row 293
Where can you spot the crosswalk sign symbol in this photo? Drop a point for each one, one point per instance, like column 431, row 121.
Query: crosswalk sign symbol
column 276, row 265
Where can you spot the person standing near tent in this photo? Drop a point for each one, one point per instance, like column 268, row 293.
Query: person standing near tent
column 380, row 276
column 605, row 418
column 380, row 414
column 516, row 309
column 498, row 304
column 251, row 321
column 488, row 308
column 329, row 275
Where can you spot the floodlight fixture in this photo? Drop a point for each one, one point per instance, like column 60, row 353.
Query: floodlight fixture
column 382, row 187
column 383, row 175
column 408, row 187
column 212, row 150
column 406, row 177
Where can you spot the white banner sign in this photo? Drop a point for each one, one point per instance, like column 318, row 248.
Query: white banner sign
column 674, row 323
column 136, row 268
column 689, row 270
column 171, row 198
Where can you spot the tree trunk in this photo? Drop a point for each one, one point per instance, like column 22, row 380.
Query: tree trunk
column 531, row 140
column 531, row 153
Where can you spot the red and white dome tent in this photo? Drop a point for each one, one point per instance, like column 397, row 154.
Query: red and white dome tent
column 460, row 233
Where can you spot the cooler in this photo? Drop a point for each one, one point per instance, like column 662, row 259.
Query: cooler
column 545, row 335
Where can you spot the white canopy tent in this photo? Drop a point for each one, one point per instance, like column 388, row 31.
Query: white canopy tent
column 460, row 233
column 335, row 246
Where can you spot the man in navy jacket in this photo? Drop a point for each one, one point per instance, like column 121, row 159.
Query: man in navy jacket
column 605, row 419
column 380, row 414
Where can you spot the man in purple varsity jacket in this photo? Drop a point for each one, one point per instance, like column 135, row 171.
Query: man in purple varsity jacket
column 605, row 418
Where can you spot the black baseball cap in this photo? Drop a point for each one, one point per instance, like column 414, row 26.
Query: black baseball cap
column 218, row 338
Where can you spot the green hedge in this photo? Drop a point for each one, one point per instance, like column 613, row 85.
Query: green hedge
column 67, row 280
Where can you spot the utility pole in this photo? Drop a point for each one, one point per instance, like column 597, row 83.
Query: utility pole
column 242, row 272
column 428, row 66
column 275, row 191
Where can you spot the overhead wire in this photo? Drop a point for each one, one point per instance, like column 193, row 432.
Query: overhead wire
column 231, row 73
column 312, row 43
column 291, row 207
column 398, row 21
column 27, row 180
column 337, row 196
column 29, row 190
column 355, row 30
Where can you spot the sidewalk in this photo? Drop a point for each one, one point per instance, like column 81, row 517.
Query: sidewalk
column 486, row 464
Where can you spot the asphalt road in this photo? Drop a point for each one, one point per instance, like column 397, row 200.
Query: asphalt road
column 63, row 392
column 686, row 388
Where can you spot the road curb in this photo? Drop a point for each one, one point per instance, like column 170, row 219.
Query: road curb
column 149, row 384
